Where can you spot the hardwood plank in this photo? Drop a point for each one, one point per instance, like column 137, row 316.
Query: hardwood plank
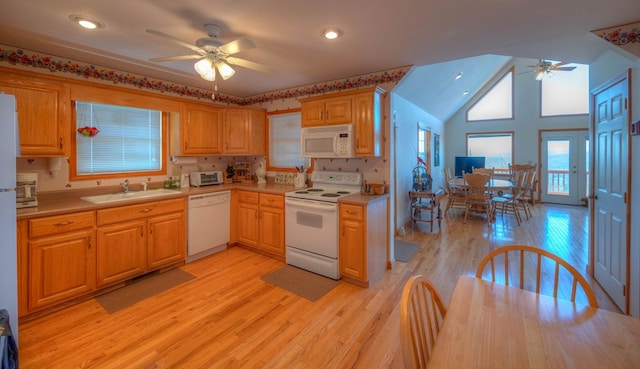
column 227, row 317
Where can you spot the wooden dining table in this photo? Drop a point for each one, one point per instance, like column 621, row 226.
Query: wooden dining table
column 489, row 325
column 496, row 185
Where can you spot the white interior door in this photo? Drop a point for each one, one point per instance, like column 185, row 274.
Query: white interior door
column 610, row 185
column 564, row 168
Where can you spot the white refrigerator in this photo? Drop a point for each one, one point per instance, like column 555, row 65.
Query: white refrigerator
column 9, row 149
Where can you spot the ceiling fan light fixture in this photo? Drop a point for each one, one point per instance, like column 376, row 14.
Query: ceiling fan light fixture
column 86, row 22
column 225, row 70
column 205, row 69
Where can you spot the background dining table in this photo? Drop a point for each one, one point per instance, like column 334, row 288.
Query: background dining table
column 489, row 325
column 495, row 184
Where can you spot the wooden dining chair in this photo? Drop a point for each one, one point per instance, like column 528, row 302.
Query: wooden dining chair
column 477, row 196
column 509, row 203
column 455, row 196
column 421, row 316
column 531, row 264
column 486, row 171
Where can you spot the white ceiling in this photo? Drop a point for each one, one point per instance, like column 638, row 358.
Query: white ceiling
column 378, row 35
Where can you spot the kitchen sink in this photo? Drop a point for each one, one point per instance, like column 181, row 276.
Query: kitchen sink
column 131, row 195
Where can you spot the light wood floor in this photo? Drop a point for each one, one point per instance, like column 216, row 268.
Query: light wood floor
column 228, row 318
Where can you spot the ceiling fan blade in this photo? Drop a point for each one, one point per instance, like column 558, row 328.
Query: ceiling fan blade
column 249, row 64
column 178, row 41
column 560, row 64
column 563, row 68
column 237, row 46
column 174, row 58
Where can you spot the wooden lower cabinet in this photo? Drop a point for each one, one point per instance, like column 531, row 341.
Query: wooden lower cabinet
column 69, row 257
column 59, row 259
column 363, row 241
column 271, row 224
column 259, row 221
column 135, row 239
column 121, row 252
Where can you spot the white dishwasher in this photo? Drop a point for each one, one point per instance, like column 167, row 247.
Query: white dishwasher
column 208, row 224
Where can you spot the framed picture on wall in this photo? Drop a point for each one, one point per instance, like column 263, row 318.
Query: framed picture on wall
column 436, row 150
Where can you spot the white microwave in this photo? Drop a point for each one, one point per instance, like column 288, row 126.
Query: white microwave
column 335, row 141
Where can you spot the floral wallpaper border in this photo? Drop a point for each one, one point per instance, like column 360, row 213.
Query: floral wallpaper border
column 24, row 59
column 626, row 36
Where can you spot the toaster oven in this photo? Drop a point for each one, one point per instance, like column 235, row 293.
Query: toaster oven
column 197, row 179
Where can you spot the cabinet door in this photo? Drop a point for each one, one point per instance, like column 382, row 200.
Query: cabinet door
column 247, row 224
column 363, row 125
column 120, row 252
column 272, row 230
column 167, row 243
column 42, row 118
column 338, row 110
column 352, row 249
column 201, row 131
column 60, row 267
column 312, row 114
column 237, row 131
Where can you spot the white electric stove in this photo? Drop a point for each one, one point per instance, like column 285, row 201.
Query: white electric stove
column 311, row 221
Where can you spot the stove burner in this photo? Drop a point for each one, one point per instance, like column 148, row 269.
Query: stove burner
column 301, row 192
column 315, row 190
column 343, row 192
column 330, row 195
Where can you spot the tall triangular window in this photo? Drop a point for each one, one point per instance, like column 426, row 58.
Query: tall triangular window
column 496, row 102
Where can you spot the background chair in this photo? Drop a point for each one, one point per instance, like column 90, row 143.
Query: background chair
column 477, row 198
column 486, row 171
column 508, row 203
column 421, row 315
column 455, row 196
column 544, row 263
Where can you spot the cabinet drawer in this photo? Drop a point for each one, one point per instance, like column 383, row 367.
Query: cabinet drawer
column 274, row 201
column 354, row 212
column 246, row 196
column 60, row 224
column 131, row 212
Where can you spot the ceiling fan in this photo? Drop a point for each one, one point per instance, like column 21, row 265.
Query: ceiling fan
column 547, row 67
column 213, row 54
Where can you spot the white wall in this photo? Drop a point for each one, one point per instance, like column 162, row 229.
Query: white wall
column 406, row 116
column 606, row 67
column 525, row 125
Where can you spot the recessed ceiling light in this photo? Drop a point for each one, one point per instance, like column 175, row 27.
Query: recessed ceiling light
column 331, row 33
column 86, row 22
column 459, row 75
column 465, row 92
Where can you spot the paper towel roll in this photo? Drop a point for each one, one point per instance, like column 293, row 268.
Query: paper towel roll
column 184, row 160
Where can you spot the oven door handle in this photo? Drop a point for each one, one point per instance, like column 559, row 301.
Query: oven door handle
column 311, row 204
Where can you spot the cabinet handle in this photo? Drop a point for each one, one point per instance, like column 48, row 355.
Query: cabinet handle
column 63, row 223
column 89, row 239
column 351, row 212
column 357, row 143
column 61, row 142
column 186, row 146
column 141, row 231
column 146, row 210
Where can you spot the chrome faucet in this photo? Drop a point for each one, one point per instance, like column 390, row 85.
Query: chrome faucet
column 125, row 185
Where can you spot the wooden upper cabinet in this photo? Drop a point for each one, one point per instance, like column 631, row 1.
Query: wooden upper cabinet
column 323, row 111
column 244, row 131
column 43, row 114
column 367, row 120
column 363, row 108
column 200, row 131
